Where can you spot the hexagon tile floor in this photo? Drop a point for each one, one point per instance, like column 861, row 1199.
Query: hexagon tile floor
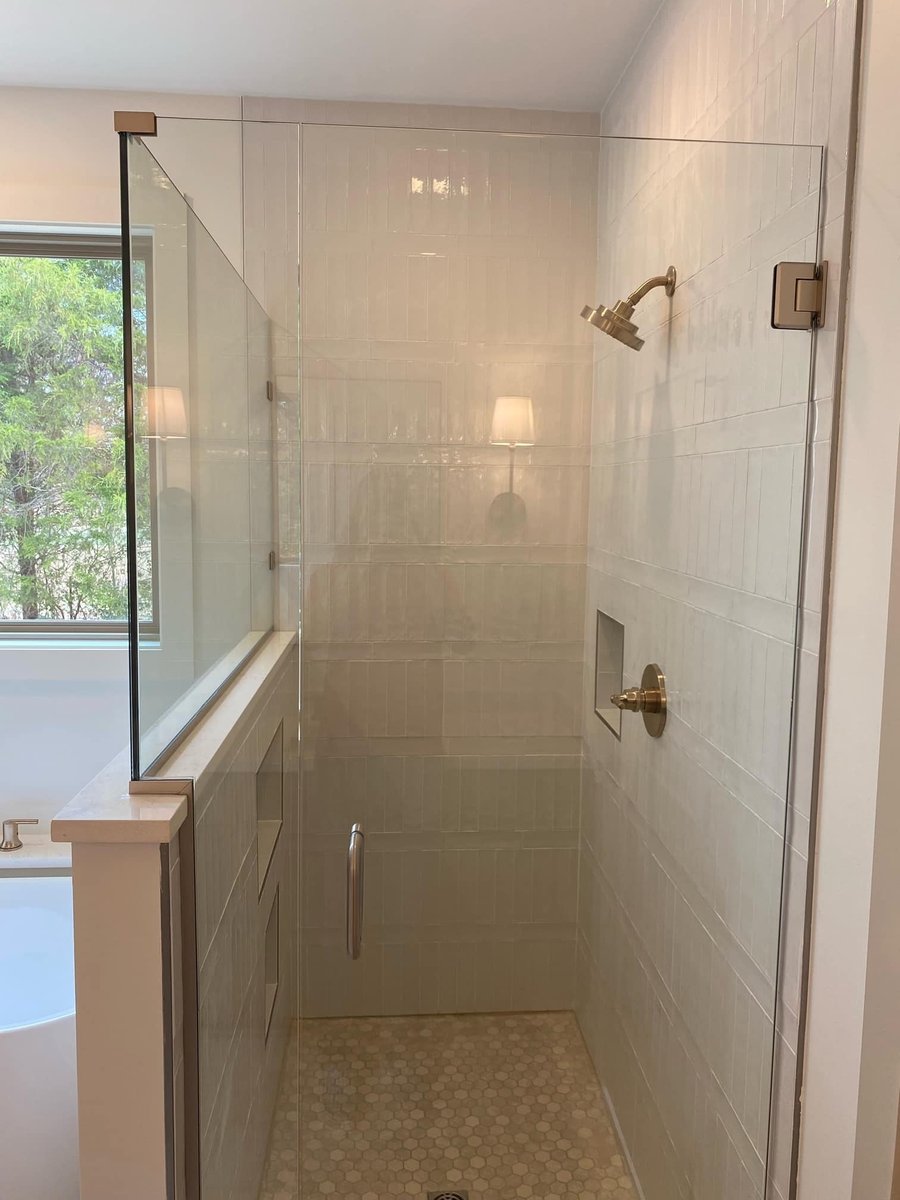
column 503, row 1107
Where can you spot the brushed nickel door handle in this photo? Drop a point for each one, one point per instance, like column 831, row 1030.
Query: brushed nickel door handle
column 11, row 839
column 356, row 851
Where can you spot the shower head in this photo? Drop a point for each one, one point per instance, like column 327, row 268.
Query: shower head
column 616, row 321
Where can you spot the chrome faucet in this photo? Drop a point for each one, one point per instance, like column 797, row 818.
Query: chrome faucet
column 11, row 839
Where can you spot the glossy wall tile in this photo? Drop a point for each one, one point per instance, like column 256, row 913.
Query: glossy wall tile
column 442, row 627
column 696, row 516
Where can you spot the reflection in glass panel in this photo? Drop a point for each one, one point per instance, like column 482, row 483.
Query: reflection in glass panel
column 203, row 461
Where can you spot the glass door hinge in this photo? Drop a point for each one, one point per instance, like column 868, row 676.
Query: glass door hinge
column 798, row 295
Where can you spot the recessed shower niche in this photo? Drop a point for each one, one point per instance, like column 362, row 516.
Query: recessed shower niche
column 272, row 959
column 609, row 657
column 269, row 804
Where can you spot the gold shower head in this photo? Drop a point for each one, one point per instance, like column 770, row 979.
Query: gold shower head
column 616, row 321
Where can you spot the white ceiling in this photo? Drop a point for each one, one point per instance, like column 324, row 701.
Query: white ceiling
column 563, row 54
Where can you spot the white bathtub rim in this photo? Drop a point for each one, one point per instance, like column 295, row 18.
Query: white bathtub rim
column 53, row 1018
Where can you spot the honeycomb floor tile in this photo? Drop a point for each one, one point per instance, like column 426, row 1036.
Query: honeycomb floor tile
column 504, row 1107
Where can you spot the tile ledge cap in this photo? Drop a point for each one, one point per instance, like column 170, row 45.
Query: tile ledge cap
column 147, row 818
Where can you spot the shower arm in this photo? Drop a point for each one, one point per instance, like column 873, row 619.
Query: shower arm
column 666, row 281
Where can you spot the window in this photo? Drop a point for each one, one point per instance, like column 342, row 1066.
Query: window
column 62, row 475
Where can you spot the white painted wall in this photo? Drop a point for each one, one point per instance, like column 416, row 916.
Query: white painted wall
column 63, row 708
column 542, row 55
column 853, row 1042
column 60, row 156
column 63, row 716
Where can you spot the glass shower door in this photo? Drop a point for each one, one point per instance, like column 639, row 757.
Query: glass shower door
column 571, row 942
column 697, row 517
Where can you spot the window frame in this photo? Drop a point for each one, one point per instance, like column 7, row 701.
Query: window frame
column 77, row 241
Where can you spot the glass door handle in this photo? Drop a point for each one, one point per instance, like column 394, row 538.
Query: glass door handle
column 356, row 850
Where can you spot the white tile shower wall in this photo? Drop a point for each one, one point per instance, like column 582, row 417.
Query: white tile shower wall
column 221, row 403
column 695, row 523
column 417, row 116
column 211, row 491
column 271, row 270
column 271, row 240
column 442, row 629
column 677, row 951
column 239, row 1063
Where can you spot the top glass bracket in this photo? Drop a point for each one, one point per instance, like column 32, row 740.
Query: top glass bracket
column 142, row 124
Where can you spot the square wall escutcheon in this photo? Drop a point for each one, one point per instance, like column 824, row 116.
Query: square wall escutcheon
column 609, row 658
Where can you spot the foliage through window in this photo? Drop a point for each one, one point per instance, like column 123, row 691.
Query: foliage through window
column 62, row 473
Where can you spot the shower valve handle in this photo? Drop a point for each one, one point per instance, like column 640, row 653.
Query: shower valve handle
column 649, row 699
column 639, row 700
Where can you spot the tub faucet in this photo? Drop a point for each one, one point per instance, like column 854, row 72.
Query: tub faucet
column 11, row 839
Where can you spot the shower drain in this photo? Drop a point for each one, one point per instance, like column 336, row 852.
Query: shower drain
column 448, row 1196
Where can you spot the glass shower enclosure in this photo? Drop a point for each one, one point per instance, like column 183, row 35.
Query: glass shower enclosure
column 572, row 929
column 574, row 976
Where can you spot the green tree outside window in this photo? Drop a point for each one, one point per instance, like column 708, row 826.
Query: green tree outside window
column 62, row 479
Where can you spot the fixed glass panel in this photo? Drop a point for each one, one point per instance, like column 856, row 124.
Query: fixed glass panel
column 201, row 455
column 569, row 936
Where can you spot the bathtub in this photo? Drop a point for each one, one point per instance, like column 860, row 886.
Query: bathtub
column 38, row 1117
